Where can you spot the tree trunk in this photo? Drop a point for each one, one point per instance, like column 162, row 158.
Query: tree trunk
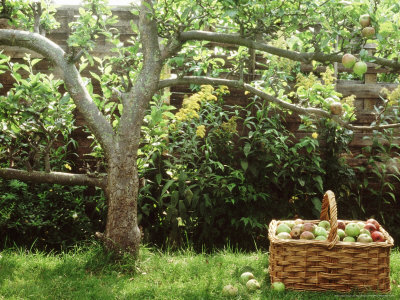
column 122, row 232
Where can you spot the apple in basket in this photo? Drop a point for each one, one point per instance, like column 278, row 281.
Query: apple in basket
column 378, row 236
column 324, row 224
column 349, row 239
column 307, row 235
column 296, row 231
column 309, row 227
column 365, row 231
column 341, row 234
column 341, row 225
column 283, row 228
column 320, row 231
column 373, row 221
column 364, row 238
column 284, row 236
column 352, row 229
column 370, row 227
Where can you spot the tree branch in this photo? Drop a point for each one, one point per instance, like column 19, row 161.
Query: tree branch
column 52, row 177
column 290, row 106
column 96, row 122
column 293, row 55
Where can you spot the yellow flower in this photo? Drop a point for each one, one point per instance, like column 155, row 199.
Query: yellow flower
column 201, row 131
column 67, row 166
column 314, row 135
column 246, row 92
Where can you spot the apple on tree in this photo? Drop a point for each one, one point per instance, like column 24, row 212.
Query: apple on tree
column 348, row 60
column 360, row 68
column 368, row 32
column 365, row 20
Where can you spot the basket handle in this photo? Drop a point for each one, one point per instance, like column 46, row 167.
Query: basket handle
column 329, row 213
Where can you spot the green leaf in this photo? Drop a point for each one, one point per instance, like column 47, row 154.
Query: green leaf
column 244, row 164
column 247, row 149
column 317, row 203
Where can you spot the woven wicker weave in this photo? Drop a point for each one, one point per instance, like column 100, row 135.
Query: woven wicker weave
column 331, row 264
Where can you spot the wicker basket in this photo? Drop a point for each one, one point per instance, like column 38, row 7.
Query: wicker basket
column 331, row 264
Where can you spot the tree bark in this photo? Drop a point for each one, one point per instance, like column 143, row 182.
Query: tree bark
column 52, row 177
column 122, row 232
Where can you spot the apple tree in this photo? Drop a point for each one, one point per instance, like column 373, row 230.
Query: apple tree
column 251, row 45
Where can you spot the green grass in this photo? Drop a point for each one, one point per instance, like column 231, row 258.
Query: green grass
column 92, row 274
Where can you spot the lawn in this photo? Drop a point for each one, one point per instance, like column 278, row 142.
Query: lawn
column 89, row 273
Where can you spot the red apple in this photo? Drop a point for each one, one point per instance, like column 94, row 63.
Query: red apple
column 365, row 20
column 348, row 60
column 375, row 222
column 368, row 32
column 308, row 227
column 378, row 236
column 370, row 227
column 341, row 225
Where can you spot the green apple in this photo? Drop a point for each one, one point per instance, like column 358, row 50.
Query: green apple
column 283, row 228
column 321, row 238
column 320, row 231
column 246, row 276
column 341, row 234
column 324, row 224
column 230, row 291
column 278, row 286
column 284, row 236
column 352, row 229
column 365, row 231
column 252, row 285
column 290, row 224
column 361, row 225
column 364, row 238
column 360, row 68
column 349, row 239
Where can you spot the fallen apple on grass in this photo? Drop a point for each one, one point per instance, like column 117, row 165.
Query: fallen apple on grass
column 278, row 286
column 246, row 276
column 230, row 290
column 252, row 285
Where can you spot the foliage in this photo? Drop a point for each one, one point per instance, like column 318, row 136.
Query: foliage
column 48, row 216
column 36, row 119
column 219, row 169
